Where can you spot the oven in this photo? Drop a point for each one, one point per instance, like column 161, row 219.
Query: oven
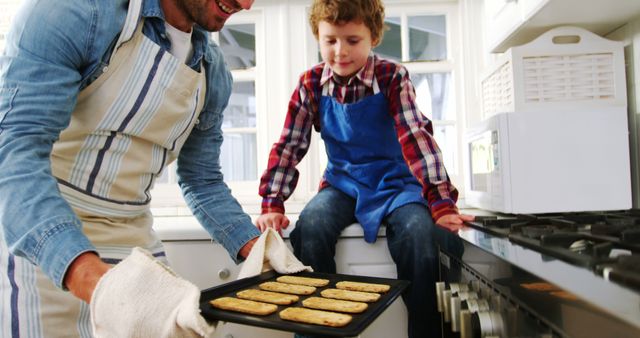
column 544, row 275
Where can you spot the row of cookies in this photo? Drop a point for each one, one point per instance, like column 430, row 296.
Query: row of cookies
column 346, row 298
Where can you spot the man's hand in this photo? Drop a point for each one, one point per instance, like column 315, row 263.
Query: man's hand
column 454, row 222
column 274, row 220
column 83, row 275
column 141, row 297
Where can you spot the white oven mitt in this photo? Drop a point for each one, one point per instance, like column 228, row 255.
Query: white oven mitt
column 270, row 252
column 141, row 297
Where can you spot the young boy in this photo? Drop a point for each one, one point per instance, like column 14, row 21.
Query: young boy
column 384, row 164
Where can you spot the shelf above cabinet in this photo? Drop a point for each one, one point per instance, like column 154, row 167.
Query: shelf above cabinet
column 517, row 22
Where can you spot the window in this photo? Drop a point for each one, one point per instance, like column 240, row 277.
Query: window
column 7, row 9
column 421, row 35
column 238, row 158
column 239, row 153
column 423, row 43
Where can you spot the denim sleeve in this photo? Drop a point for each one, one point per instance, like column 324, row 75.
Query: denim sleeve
column 40, row 73
column 199, row 173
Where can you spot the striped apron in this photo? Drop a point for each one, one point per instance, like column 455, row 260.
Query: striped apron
column 127, row 126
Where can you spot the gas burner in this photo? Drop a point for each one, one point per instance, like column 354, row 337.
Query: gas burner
column 625, row 269
column 537, row 231
column 587, row 239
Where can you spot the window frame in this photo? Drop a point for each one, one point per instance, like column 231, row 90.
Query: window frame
column 452, row 64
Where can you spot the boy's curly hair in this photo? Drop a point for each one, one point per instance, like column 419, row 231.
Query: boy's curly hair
column 336, row 12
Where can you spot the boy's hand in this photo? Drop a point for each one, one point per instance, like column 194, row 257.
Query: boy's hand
column 274, row 220
column 454, row 222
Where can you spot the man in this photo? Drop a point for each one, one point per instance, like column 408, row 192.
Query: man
column 96, row 98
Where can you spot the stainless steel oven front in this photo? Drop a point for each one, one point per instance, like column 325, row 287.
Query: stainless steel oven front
column 505, row 287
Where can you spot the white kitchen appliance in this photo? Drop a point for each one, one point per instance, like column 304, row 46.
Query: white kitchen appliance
column 549, row 161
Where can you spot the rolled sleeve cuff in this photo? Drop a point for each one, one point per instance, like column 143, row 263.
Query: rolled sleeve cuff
column 59, row 246
column 442, row 208
column 241, row 234
column 270, row 204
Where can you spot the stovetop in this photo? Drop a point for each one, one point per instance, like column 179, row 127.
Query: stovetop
column 606, row 242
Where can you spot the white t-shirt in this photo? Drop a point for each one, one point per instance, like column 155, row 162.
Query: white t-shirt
column 181, row 46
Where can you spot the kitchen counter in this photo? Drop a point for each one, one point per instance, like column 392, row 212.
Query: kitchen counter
column 186, row 227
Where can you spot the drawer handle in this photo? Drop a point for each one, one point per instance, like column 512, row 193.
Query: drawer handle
column 224, row 273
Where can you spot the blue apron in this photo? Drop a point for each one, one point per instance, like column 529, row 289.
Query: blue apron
column 365, row 158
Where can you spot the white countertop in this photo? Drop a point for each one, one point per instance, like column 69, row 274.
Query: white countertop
column 187, row 228
column 180, row 225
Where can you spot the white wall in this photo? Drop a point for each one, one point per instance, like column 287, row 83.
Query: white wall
column 630, row 34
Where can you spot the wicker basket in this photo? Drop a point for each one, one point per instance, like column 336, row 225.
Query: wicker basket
column 566, row 68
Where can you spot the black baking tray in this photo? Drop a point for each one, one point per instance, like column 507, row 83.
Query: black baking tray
column 273, row 321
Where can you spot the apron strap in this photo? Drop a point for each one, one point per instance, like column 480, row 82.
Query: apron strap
column 130, row 24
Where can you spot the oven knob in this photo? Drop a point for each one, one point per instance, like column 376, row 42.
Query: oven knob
column 455, row 314
column 458, row 287
column 224, row 273
column 491, row 323
column 469, row 325
column 464, row 295
column 475, row 305
column 439, row 290
column 447, row 305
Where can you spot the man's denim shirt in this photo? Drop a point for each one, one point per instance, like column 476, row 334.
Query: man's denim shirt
column 56, row 48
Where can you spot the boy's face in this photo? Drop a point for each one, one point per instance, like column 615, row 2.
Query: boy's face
column 345, row 47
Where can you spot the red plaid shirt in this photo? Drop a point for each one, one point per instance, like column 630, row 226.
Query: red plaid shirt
column 414, row 130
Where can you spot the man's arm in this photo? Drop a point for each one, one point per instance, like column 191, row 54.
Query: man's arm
column 199, row 172
column 39, row 80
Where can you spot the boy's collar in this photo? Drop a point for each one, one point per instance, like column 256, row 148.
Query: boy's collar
column 365, row 75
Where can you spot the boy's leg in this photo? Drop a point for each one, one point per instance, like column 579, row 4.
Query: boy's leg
column 318, row 227
column 412, row 236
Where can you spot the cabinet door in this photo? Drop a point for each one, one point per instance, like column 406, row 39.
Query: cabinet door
column 505, row 18
column 502, row 17
column 201, row 262
column 529, row 7
column 354, row 256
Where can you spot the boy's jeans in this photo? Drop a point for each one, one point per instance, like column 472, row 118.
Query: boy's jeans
column 412, row 238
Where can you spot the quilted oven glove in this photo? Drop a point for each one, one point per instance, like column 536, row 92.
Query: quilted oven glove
column 141, row 297
column 271, row 253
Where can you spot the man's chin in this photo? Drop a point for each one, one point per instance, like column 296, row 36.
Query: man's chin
column 213, row 25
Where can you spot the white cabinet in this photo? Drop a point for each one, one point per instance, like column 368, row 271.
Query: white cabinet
column 207, row 264
column 505, row 17
column 514, row 22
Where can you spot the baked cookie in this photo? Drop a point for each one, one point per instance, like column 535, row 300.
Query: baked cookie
column 366, row 287
column 334, row 305
column 317, row 282
column 267, row 296
column 357, row 296
column 244, row 306
column 326, row 318
column 287, row 288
